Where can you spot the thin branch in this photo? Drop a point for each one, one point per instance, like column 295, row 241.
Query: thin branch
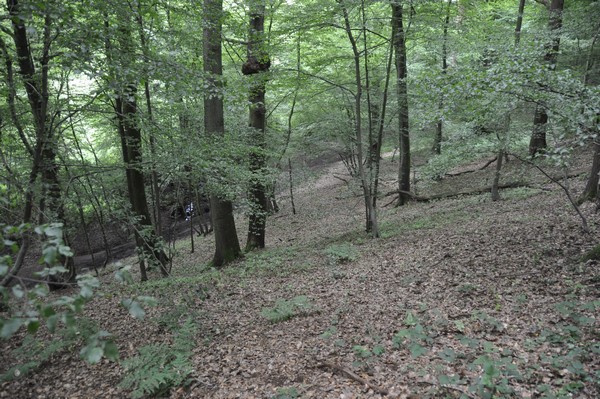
column 564, row 188
column 353, row 376
column 339, row 86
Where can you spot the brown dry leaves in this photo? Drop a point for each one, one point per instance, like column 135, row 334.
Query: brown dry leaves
column 490, row 271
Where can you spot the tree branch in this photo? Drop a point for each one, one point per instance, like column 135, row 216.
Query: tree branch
column 353, row 376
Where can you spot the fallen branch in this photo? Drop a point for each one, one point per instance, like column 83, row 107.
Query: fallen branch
column 475, row 191
column 340, row 178
column 488, row 163
column 353, row 376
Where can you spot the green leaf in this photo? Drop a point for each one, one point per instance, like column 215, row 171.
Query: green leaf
column 378, row 350
column 9, row 327
column 51, row 322
column 417, row 350
column 47, row 311
column 410, row 319
column 134, row 308
column 124, row 276
column 459, row 325
column 17, row 291
column 86, row 292
column 92, row 354
column 111, row 351
column 33, row 326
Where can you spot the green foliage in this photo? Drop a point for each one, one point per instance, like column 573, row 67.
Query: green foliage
column 593, row 254
column 287, row 393
column 415, row 338
column 159, row 367
column 34, row 352
column 342, row 253
column 286, row 309
column 271, row 262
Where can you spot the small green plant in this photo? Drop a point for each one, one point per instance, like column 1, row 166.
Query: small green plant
column 342, row 253
column 286, row 309
column 415, row 338
column 159, row 367
column 287, row 393
column 467, row 288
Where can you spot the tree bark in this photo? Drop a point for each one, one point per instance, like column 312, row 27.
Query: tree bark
column 538, row 142
column 402, row 93
column 44, row 164
column 227, row 246
column 147, row 240
column 437, row 145
column 591, row 188
column 257, row 68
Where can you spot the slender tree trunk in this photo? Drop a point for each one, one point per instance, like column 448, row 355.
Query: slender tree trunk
column 227, row 246
column 402, row 93
column 43, row 153
column 540, row 120
column 256, row 68
column 437, row 145
column 592, row 189
column 381, row 121
column 151, row 138
column 507, row 118
column 146, row 237
column 371, row 216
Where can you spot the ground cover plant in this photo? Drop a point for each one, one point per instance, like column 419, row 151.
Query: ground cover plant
column 299, row 198
column 498, row 301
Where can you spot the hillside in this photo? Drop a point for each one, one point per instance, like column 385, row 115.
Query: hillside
column 461, row 297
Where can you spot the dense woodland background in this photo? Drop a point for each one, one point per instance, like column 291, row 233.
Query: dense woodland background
column 194, row 140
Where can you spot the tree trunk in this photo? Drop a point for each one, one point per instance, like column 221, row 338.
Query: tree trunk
column 538, row 142
column 591, row 188
column 256, row 68
column 437, row 145
column 147, row 240
column 402, row 92
column 370, row 213
column 43, row 153
column 227, row 246
column 507, row 118
column 151, row 138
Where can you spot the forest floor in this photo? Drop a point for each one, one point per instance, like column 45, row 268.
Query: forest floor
column 460, row 297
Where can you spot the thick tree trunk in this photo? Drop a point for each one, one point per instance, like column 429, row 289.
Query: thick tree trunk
column 227, row 246
column 256, row 67
column 402, row 92
column 538, row 142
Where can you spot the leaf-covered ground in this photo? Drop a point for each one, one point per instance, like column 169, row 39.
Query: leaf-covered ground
column 461, row 297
